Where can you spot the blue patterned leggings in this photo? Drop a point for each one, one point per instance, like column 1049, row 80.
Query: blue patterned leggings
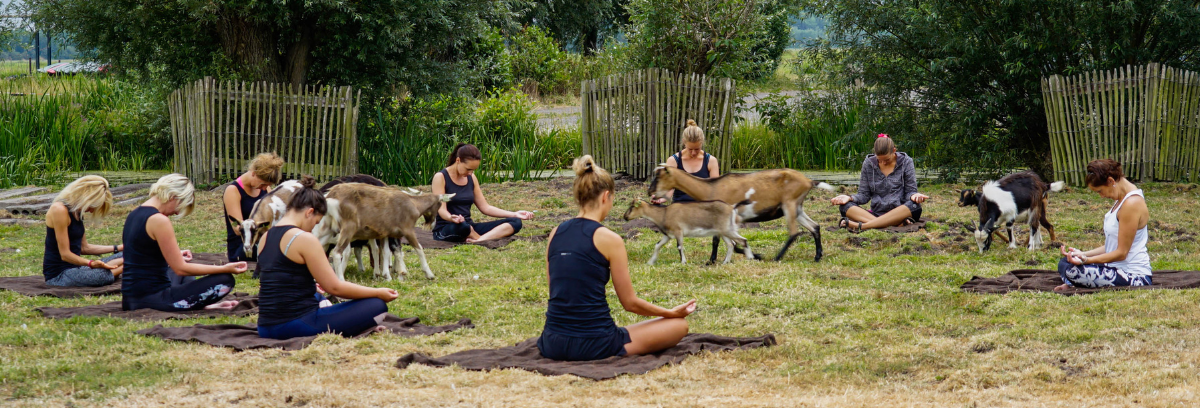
column 86, row 276
column 1098, row 275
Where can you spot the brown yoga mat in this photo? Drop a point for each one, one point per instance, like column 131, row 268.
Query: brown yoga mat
column 899, row 229
column 36, row 286
column 526, row 356
column 1036, row 280
column 241, row 337
column 427, row 241
column 247, row 305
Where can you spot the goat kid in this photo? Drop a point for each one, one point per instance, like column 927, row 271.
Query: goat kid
column 693, row 219
column 363, row 212
column 775, row 194
column 1018, row 197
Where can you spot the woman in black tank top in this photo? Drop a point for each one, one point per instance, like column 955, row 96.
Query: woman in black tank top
column 693, row 160
column 292, row 263
column 454, row 223
column 239, row 199
column 152, row 254
column 62, row 262
column 582, row 256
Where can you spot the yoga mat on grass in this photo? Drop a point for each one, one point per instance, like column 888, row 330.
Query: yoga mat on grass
column 245, row 337
column 1037, row 280
column 247, row 305
column 427, row 242
column 525, row 356
column 36, row 286
column 899, row 229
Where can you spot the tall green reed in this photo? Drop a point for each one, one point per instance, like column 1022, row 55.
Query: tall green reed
column 822, row 132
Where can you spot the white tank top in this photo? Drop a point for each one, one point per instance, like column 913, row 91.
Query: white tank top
column 1137, row 261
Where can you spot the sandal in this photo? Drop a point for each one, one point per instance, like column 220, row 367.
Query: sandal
column 845, row 223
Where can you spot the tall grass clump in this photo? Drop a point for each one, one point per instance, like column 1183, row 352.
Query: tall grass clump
column 53, row 125
column 408, row 141
column 822, row 132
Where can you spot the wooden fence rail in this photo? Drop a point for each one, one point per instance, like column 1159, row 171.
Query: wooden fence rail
column 218, row 126
column 1146, row 117
column 631, row 122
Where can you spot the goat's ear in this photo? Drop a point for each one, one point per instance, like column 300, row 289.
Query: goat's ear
column 445, row 197
column 412, row 191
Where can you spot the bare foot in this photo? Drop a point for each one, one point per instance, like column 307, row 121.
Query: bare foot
column 376, row 329
column 222, row 305
column 1062, row 287
column 471, row 240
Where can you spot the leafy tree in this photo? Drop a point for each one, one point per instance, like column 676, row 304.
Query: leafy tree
column 964, row 75
column 584, row 24
column 732, row 38
column 421, row 45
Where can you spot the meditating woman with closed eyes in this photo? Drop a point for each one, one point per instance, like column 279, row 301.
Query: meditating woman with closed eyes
column 1124, row 259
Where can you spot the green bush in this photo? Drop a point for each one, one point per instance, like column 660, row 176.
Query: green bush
column 534, row 55
column 408, row 141
column 76, row 124
column 826, row 132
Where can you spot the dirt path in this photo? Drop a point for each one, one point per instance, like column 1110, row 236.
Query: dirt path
column 568, row 116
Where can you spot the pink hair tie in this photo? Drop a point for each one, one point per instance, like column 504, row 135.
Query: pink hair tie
column 881, row 135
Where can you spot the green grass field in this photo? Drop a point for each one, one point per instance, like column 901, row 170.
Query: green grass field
column 879, row 322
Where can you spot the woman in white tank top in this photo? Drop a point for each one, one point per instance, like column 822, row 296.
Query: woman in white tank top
column 1123, row 260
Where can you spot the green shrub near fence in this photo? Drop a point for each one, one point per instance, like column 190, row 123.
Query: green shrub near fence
column 406, row 142
column 818, row 132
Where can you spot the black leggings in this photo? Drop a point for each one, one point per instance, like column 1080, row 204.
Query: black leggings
column 193, row 295
column 452, row 232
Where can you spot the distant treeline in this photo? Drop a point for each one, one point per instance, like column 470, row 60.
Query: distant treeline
column 21, row 47
column 804, row 29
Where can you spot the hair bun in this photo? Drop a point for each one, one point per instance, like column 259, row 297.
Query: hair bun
column 691, row 122
column 308, row 181
column 583, row 165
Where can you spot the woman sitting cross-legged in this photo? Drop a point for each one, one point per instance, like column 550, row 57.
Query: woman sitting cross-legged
column 583, row 255
column 152, row 256
column 292, row 263
column 239, row 199
column 62, row 264
column 889, row 182
column 454, row 222
column 692, row 156
column 1123, row 260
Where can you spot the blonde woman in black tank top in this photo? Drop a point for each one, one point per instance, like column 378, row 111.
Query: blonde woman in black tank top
column 454, row 223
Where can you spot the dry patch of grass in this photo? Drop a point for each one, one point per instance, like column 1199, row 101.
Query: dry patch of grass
column 880, row 321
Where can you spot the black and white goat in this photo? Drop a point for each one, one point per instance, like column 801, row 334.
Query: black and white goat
column 1018, row 197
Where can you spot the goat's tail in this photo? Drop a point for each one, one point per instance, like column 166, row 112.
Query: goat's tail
column 825, row 186
column 1057, row 186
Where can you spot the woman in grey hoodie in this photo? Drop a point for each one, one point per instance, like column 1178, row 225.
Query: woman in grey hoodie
column 889, row 182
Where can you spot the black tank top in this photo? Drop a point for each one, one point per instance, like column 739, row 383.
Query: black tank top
column 464, row 198
column 52, row 262
column 288, row 288
column 233, row 241
column 578, row 276
column 703, row 173
column 145, row 268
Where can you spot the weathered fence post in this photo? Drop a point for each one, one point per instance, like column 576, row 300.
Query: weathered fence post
column 632, row 121
column 216, row 127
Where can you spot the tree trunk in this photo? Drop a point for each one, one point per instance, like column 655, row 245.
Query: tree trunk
column 299, row 56
column 251, row 46
column 591, row 41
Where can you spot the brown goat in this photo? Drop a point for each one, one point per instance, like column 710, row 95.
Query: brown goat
column 692, row 219
column 363, row 212
column 775, row 193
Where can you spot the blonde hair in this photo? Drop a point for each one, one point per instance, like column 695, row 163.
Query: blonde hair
column 692, row 133
column 87, row 193
column 266, row 167
column 590, row 181
column 884, row 145
column 178, row 186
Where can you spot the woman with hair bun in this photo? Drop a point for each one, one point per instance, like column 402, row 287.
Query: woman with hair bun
column 63, row 263
column 454, row 223
column 240, row 196
column 152, row 256
column 582, row 257
column 889, row 182
column 1123, row 260
column 693, row 157
column 293, row 262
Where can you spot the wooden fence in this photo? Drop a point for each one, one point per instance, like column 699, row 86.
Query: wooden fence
column 633, row 121
column 219, row 126
column 1146, row 117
